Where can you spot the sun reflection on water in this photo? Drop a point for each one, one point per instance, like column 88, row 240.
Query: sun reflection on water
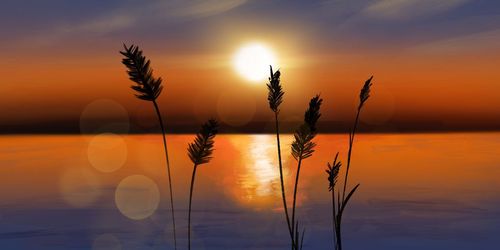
column 262, row 164
column 259, row 180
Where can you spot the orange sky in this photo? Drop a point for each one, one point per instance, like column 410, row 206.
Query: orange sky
column 451, row 82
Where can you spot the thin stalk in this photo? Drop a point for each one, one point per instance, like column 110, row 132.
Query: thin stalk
column 295, row 192
column 157, row 109
column 334, row 221
column 302, row 239
column 339, row 237
column 285, row 206
column 351, row 142
column 338, row 222
column 189, row 209
column 340, row 213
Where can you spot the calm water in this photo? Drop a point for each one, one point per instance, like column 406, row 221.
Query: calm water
column 418, row 191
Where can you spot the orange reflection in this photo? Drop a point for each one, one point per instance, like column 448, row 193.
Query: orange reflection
column 257, row 182
column 244, row 170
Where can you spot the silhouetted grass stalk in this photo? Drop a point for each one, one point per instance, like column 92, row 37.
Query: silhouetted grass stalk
column 275, row 98
column 285, row 206
column 298, row 241
column 333, row 171
column 195, row 167
column 303, row 148
column 148, row 89
column 363, row 96
column 200, row 152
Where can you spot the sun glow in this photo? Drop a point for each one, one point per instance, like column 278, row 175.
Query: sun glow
column 252, row 61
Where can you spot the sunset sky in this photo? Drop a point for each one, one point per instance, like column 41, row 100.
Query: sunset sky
column 436, row 63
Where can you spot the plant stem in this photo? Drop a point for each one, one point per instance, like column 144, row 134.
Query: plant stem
column 341, row 202
column 157, row 109
column 338, row 219
column 189, row 209
column 295, row 193
column 351, row 141
column 285, row 206
column 339, row 237
column 334, row 222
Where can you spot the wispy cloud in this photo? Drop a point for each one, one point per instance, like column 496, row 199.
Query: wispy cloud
column 130, row 16
column 407, row 9
column 201, row 8
column 158, row 10
column 99, row 25
column 468, row 43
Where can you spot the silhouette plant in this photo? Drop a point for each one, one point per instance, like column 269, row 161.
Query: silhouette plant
column 339, row 204
column 275, row 98
column 200, row 152
column 148, row 88
column 333, row 172
column 303, row 148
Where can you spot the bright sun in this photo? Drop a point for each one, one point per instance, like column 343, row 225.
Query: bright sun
column 252, row 61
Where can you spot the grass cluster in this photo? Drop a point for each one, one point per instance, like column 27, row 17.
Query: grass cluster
column 149, row 88
column 303, row 148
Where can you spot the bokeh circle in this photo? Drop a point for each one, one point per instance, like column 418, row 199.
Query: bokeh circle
column 137, row 197
column 79, row 187
column 104, row 116
column 107, row 152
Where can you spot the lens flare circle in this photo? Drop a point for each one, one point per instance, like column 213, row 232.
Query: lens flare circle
column 137, row 197
column 79, row 187
column 104, row 116
column 107, row 152
column 236, row 107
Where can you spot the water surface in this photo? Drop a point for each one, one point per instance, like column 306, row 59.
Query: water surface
column 418, row 191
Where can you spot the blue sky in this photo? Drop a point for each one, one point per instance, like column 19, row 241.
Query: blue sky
column 361, row 23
